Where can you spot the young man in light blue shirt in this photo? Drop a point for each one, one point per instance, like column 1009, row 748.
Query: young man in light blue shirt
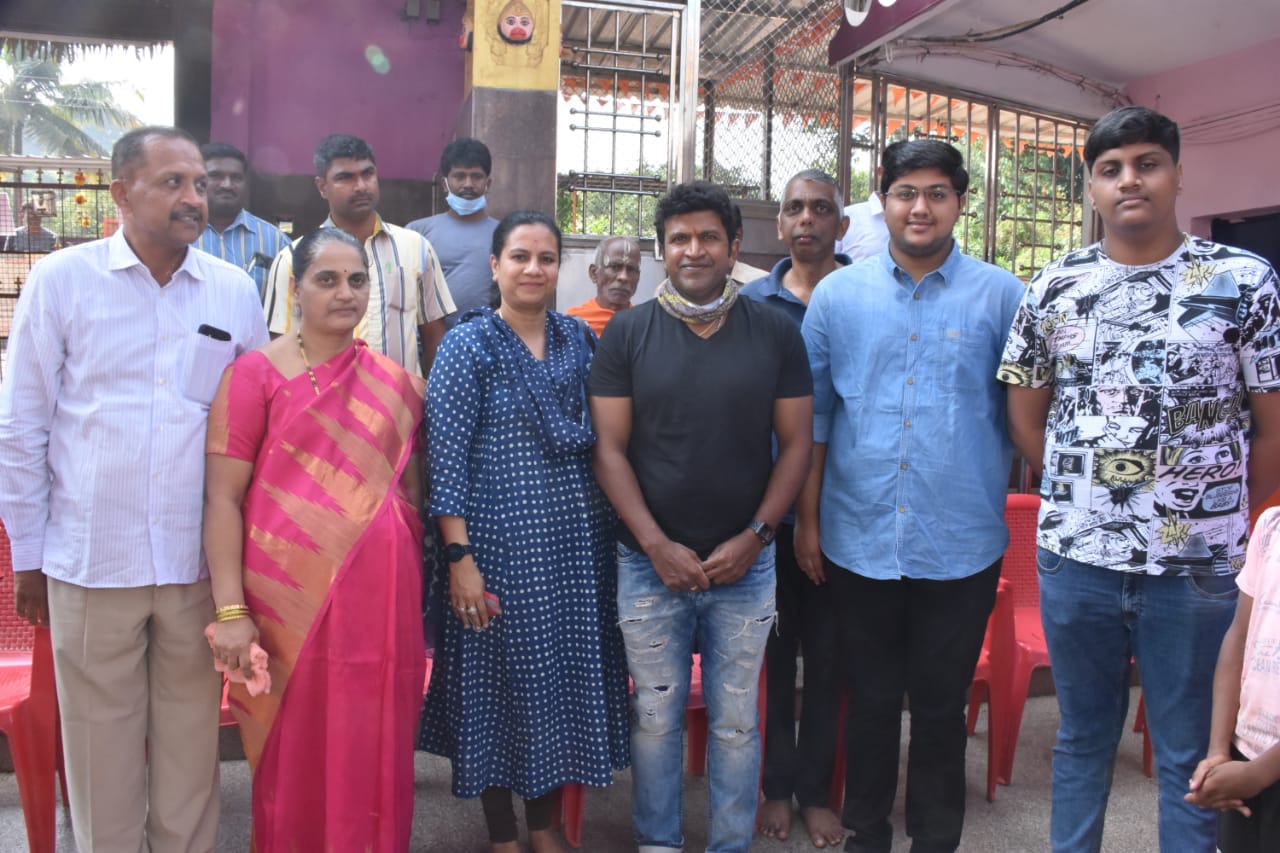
column 903, row 510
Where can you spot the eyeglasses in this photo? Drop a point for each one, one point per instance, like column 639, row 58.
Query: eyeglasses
column 933, row 195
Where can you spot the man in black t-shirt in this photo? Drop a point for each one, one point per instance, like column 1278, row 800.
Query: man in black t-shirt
column 686, row 392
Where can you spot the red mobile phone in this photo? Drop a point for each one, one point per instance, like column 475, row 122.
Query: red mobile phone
column 491, row 604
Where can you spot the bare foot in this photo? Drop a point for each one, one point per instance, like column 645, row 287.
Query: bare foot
column 823, row 826
column 505, row 847
column 544, row 841
column 774, row 820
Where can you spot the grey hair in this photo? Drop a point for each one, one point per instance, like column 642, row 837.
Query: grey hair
column 819, row 177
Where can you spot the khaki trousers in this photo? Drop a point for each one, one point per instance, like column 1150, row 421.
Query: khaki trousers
column 139, row 701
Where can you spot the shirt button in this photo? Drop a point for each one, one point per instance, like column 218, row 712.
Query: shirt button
column 903, row 466
column 902, row 509
column 907, row 422
column 911, row 380
column 915, row 337
column 161, row 381
column 915, row 296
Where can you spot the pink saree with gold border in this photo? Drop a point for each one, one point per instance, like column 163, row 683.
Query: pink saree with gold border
column 332, row 573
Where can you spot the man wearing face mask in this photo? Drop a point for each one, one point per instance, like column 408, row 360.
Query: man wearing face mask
column 462, row 235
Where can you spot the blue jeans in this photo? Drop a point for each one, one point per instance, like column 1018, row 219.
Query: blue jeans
column 730, row 625
column 1094, row 620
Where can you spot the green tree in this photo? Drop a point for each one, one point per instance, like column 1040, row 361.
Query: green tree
column 36, row 107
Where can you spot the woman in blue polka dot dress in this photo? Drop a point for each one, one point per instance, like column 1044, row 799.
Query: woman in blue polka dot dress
column 528, row 690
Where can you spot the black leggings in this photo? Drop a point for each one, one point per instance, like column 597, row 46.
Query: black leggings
column 500, row 815
column 1257, row 834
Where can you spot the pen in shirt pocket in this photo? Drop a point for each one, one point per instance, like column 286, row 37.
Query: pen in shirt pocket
column 213, row 332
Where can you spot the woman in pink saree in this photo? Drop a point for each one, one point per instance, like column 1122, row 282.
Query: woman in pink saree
column 311, row 523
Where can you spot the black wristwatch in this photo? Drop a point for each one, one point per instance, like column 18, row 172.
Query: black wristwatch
column 763, row 531
column 453, row 552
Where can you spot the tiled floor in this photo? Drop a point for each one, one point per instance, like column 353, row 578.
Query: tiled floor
column 1017, row 822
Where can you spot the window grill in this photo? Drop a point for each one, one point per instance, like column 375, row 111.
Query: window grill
column 770, row 102
column 73, row 197
column 1027, row 178
column 618, row 115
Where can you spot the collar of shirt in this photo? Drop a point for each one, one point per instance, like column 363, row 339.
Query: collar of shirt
column 377, row 227
column 241, row 221
column 873, row 201
column 244, row 219
column 945, row 272
column 772, row 287
column 120, row 256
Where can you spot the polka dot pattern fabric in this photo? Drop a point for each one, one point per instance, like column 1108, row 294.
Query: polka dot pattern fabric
column 538, row 699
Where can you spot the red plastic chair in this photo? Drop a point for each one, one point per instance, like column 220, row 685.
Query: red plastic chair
column 29, row 721
column 29, row 713
column 1021, row 511
column 1030, row 651
column 993, row 677
column 1140, row 725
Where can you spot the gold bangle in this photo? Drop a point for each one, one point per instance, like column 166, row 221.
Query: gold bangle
column 230, row 612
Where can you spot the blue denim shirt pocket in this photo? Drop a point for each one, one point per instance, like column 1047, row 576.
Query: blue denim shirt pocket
column 953, row 357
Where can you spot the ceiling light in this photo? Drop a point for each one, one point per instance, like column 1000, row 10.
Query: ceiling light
column 855, row 11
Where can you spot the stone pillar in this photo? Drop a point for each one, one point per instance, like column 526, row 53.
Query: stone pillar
column 510, row 102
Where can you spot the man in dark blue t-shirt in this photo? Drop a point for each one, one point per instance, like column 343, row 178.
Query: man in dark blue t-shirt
column 686, row 392
column 810, row 223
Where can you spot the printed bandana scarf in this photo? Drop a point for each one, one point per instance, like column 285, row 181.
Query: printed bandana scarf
column 674, row 303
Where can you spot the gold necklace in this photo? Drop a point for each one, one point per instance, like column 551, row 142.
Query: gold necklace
column 314, row 384
column 710, row 330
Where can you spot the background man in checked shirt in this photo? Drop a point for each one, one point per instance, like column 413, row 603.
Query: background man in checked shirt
column 233, row 233
column 408, row 297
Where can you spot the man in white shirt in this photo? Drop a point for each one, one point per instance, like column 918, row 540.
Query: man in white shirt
column 116, row 351
column 867, row 235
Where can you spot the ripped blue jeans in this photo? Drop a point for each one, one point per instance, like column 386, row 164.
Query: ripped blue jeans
column 730, row 626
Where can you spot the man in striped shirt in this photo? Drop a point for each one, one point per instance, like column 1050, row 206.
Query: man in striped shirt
column 233, row 233
column 408, row 297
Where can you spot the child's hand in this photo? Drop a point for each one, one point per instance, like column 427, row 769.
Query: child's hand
column 1223, row 784
column 1210, row 761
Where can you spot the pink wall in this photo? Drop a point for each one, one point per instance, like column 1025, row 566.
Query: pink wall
column 288, row 72
column 1241, row 174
